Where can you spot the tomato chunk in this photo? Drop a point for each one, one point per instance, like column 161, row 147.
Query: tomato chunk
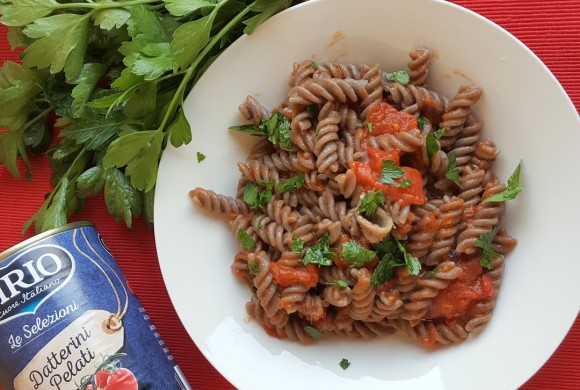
column 385, row 119
column 377, row 156
column 286, row 276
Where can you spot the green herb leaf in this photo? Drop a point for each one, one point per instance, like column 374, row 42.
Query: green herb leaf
column 18, row 89
column 123, row 200
column 254, row 268
column 400, row 76
column 421, row 122
column 512, row 189
column 405, row 183
column 385, row 269
column 265, row 9
column 369, row 127
column 140, row 153
column 23, row 12
column 390, row 172
column 90, row 182
column 313, row 332
column 185, row 7
column 370, row 202
column 344, row 363
column 319, row 253
column 339, row 283
column 357, row 255
column 292, row 183
column 452, row 172
column 110, row 18
column 190, row 38
column 412, row 263
column 94, row 129
column 485, row 243
column 276, row 128
column 256, row 197
column 180, row 131
column 297, row 244
column 247, row 241
column 432, row 142
column 86, row 83
column 60, row 44
column 200, row 157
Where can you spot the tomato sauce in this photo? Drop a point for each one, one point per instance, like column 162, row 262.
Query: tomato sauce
column 463, row 293
column 368, row 176
column 286, row 276
column 385, row 119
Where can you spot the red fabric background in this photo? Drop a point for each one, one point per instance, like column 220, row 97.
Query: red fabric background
column 549, row 28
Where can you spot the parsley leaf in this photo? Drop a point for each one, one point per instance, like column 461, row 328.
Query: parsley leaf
column 319, row 253
column 421, row 122
column 352, row 252
column 390, row 172
column 200, row 156
column 412, row 263
column 385, row 269
column 432, row 142
column 313, row 332
column 400, row 76
column 180, row 131
column 297, row 244
column 254, row 268
column 512, row 189
column 90, row 75
column 90, row 182
column 405, row 183
column 185, row 7
column 139, row 152
column 339, row 283
column 344, row 363
column 264, row 10
column 452, row 172
column 485, row 242
column 292, row 183
column 246, row 240
column 23, row 12
column 190, row 38
column 256, row 197
column 276, row 128
column 122, row 199
column 370, row 127
column 60, row 44
column 370, row 202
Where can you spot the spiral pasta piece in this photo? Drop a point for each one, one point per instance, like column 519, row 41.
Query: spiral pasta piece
column 419, row 66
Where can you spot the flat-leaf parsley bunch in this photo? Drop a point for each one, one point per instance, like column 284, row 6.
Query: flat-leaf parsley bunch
column 114, row 75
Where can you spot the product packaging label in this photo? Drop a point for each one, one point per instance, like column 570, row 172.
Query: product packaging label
column 69, row 321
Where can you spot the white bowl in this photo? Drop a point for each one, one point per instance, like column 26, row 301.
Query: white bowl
column 526, row 113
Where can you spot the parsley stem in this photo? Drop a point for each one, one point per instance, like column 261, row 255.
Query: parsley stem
column 178, row 96
column 120, row 4
column 36, row 118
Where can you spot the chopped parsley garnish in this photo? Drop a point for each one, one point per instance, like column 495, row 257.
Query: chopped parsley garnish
column 385, row 269
column 313, row 332
column 357, row 255
column 484, row 242
column 254, row 268
column 421, row 122
column 370, row 202
column 405, row 183
column 339, row 283
column 412, row 263
column 319, row 253
column 313, row 64
column 344, row 363
column 452, row 170
column 512, row 189
column 370, row 127
column 297, row 244
column 390, row 171
column 433, row 272
column 292, row 183
column 247, row 241
column 392, row 254
column 257, row 196
column 432, row 142
column 400, row 76
column 276, row 128
column 200, row 157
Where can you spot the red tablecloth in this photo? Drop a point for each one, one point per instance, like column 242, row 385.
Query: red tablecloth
column 550, row 28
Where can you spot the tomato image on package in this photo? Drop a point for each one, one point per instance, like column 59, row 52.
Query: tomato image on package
column 69, row 321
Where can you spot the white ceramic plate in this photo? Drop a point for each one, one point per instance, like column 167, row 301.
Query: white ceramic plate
column 525, row 111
